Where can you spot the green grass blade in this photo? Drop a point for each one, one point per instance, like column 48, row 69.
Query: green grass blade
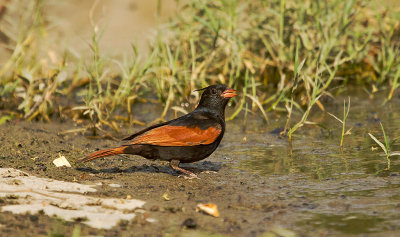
column 378, row 142
column 386, row 139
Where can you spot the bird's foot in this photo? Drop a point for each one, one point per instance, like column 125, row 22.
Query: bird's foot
column 189, row 175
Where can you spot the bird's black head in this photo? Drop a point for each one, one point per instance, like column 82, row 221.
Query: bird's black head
column 215, row 98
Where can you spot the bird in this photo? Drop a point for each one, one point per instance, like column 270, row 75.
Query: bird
column 186, row 139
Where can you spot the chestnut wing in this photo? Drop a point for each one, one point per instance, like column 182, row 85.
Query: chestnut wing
column 172, row 135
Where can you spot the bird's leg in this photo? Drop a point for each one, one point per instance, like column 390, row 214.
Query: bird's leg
column 175, row 165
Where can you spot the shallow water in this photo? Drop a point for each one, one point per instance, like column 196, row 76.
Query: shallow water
column 355, row 189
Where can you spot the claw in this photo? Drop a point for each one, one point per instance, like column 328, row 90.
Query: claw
column 175, row 165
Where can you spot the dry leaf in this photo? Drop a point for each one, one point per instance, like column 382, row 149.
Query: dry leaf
column 61, row 161
column 320, row 105
column 208, row 208
column 166, row 197
column 348, row 132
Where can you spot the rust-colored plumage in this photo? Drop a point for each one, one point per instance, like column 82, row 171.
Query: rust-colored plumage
column 168, row 135
column 103, row 153
column 186, row 139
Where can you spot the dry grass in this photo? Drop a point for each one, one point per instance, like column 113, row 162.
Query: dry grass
column 282, row 55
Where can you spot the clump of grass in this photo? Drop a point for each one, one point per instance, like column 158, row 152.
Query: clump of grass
column 385, row 147
column 282, row 55
column 395, row 83
column 28, row 75
column 343, row 122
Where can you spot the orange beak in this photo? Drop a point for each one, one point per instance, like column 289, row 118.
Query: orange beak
column 229, row 93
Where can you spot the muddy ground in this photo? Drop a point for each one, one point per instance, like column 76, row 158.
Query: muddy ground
column 259, row 189
column 33, row 146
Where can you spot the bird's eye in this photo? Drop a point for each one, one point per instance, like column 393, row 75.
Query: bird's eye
column 213, row 91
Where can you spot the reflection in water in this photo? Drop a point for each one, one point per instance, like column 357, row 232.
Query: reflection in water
column 351, row 223
column 316, row 149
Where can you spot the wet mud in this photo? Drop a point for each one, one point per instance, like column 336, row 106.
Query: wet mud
column 259, row 189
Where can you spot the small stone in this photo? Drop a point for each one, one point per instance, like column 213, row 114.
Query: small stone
column 190, row 223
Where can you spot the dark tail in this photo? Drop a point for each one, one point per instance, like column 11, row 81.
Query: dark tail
column 103, row 153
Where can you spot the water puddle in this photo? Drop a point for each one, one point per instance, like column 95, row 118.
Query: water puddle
column 352, row 223
column 354, row 182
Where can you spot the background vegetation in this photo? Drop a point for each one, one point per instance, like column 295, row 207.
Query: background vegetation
column 282, row 55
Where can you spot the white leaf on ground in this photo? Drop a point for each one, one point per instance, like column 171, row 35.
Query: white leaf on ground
column 61, row 161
